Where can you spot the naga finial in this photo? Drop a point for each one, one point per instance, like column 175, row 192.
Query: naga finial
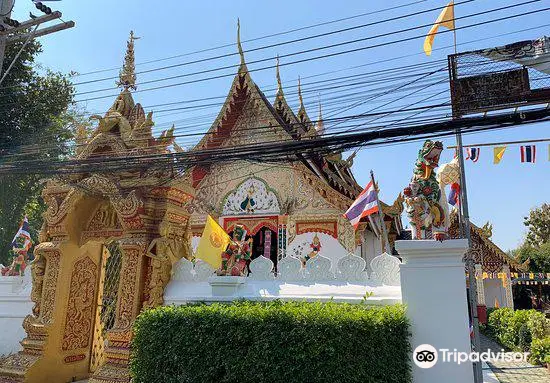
column 127, row 76
column 302, row 114
column 278, row 75
column 239, row 45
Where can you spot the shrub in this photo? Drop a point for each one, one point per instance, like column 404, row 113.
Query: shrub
column 272, row 342
column 524, row 337
column 540, row 351
column 514, row 329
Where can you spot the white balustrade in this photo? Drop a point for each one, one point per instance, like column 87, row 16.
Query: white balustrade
column 316, row 281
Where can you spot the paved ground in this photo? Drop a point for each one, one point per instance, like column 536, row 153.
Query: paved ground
column 514, row 372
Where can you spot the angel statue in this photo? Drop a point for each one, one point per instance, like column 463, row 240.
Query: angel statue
column 315, row 247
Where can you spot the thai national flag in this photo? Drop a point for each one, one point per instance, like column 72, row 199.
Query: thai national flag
column 528, row 153
column 24, row 231
column 454, row 195
column 365, row 205
column 472, row 154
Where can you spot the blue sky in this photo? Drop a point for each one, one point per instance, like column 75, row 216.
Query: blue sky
column 502, row 194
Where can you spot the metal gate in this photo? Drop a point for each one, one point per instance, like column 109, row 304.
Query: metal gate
column 107, row 300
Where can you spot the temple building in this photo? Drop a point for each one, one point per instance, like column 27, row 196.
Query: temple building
column 289, row 208
column 493, row 267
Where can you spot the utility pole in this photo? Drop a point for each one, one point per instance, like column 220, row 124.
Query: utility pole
column 465, row 228
column 10, row 29
column 5, row 11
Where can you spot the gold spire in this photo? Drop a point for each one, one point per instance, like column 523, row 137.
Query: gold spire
column 239, row 46
column 320, row 126
column 127, row 76
column 278, row 74
column 302, row 114
column 300, row 94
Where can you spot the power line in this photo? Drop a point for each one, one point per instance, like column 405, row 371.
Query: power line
column 324, row 47
column 232, row 44
column 310, row 59
column 281, row 152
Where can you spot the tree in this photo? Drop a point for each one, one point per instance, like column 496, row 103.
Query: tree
column 539, row 257
column 36, row 122
column 538, row 223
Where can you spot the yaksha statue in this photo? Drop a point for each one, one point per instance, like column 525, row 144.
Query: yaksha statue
column 237, row 255
column 422, row 196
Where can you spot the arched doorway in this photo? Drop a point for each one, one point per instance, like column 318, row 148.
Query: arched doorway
column 265, row 244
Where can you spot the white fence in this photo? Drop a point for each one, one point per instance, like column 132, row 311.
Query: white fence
column 15, row 305
column 350, row 282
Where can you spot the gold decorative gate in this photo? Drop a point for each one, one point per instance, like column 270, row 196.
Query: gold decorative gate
column 83, row 294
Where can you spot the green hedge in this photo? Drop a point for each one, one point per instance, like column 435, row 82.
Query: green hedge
column 540, row 351
column 272, row 342
column 517, row 329
column 521, row 330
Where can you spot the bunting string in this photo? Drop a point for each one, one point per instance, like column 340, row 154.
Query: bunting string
column 527, row 153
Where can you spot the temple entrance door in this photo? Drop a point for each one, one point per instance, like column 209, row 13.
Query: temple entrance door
column 106, row 301
column 265, row 244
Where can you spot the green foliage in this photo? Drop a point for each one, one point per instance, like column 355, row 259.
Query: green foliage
column 540, row 351
column 517, row 330
column 34, row 113
column 272, row 342
column 524, row 337
column 539, row 257
column 538, row 224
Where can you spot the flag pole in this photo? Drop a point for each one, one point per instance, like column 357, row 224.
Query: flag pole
column 381, row 215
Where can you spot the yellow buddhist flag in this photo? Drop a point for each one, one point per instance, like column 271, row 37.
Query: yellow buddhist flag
column 213, row 242
column 497, row 305
column 498, row 153
column 446, row 19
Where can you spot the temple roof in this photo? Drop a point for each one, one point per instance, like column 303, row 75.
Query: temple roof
column 331, row 169
column 484, row 251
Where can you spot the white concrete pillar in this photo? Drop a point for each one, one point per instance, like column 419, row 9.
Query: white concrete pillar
column 508, row 287
column 434, row 291
column 480, row 285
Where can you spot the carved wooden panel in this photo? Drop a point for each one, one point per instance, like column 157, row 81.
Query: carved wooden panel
column 80, row 309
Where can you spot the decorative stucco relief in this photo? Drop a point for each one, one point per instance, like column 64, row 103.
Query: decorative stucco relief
column 252, row 196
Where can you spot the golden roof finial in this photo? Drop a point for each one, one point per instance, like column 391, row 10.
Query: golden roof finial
column 278, row 74
column 300, row 93
column 320, row 126
column 127, row 76
column 239, row 46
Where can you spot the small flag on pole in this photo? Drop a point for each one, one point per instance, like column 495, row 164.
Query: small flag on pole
column 23, row 232
column 213, row 242
column 365, row 205
column 528, row 153
column 446, row 19
column 472, row 154
column 498, row 153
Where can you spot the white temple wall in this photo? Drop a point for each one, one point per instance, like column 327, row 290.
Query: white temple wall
column 494, row 290
column 195, row 243
column 371, row 248
column 15, row 305
column 330, row 247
